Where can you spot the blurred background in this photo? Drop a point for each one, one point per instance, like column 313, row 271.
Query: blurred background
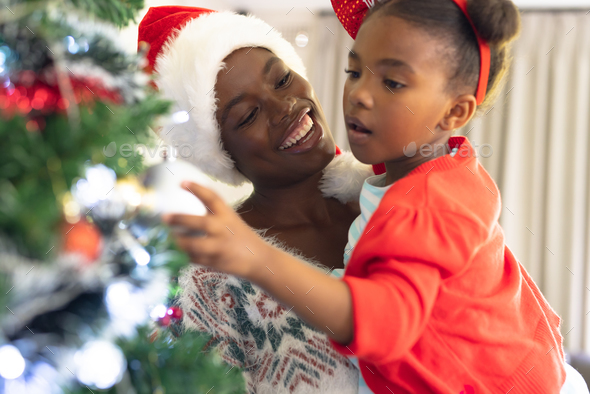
column 534, row 140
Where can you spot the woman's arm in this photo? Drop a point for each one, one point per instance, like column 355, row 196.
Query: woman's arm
column 231, row 246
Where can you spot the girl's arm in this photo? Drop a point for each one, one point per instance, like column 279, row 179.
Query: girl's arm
column 231, row 246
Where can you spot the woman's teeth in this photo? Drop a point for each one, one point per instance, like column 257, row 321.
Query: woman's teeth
column 305, row 126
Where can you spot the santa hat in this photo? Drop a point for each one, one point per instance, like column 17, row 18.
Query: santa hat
column 187, row 48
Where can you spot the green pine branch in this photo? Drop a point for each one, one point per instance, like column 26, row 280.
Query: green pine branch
column 38, row 167
column 117, row 12
column 173, row 366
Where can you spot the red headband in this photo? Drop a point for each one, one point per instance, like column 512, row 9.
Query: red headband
column 484, row 57
column 351, row 14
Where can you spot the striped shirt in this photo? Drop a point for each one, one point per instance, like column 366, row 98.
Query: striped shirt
column 373, row 190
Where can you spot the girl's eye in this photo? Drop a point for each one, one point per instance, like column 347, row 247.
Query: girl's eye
column 392, row 84
column 352, row 74
column 250, row 118
column 285, row 80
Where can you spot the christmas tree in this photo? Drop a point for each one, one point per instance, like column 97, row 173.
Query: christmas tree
column 83, row 264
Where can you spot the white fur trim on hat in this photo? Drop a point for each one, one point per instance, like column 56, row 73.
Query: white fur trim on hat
column 344, row 177
column 187, row 72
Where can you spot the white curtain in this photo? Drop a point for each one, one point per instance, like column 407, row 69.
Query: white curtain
column 534, row 142
column 538, row 131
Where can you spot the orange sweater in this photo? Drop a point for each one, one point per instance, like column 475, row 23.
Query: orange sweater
column 439, row 301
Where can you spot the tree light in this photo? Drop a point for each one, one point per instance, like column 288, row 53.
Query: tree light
column 12, row 363
column 100, row 363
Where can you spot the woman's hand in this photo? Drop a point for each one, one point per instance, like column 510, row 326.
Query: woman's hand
column 227, row 243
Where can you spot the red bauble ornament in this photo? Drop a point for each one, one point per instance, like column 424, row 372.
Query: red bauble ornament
column 82, row 238
column 174, row 312
column 36, row 95
column 165, row 321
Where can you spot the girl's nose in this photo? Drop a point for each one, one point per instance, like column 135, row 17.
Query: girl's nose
column 360, row 94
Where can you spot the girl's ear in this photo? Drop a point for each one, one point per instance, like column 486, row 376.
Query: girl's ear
column 461, row 111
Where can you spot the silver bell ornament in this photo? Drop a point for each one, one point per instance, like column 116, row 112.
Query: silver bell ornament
column 165, row 195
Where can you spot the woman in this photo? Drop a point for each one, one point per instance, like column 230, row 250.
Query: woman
column 254, row 117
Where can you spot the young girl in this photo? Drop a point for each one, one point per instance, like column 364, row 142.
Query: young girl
column 432, row 300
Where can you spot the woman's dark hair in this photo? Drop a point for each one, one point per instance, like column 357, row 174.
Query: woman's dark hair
column 497, row 22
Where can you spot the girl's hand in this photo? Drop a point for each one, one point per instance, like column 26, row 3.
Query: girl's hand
column 227, row 243
column 231, row 246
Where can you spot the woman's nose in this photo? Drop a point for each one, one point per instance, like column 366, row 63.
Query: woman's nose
column 360, row 94
column 283, row 108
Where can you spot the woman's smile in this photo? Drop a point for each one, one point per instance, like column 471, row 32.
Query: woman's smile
column 271, row 121
column 303, row 134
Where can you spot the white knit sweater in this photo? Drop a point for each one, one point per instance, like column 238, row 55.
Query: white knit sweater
column 276, row 350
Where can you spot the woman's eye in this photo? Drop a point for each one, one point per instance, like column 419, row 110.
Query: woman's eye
column 392, row 84
column 250, row 118
column 352, row 74
column 285, row 80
